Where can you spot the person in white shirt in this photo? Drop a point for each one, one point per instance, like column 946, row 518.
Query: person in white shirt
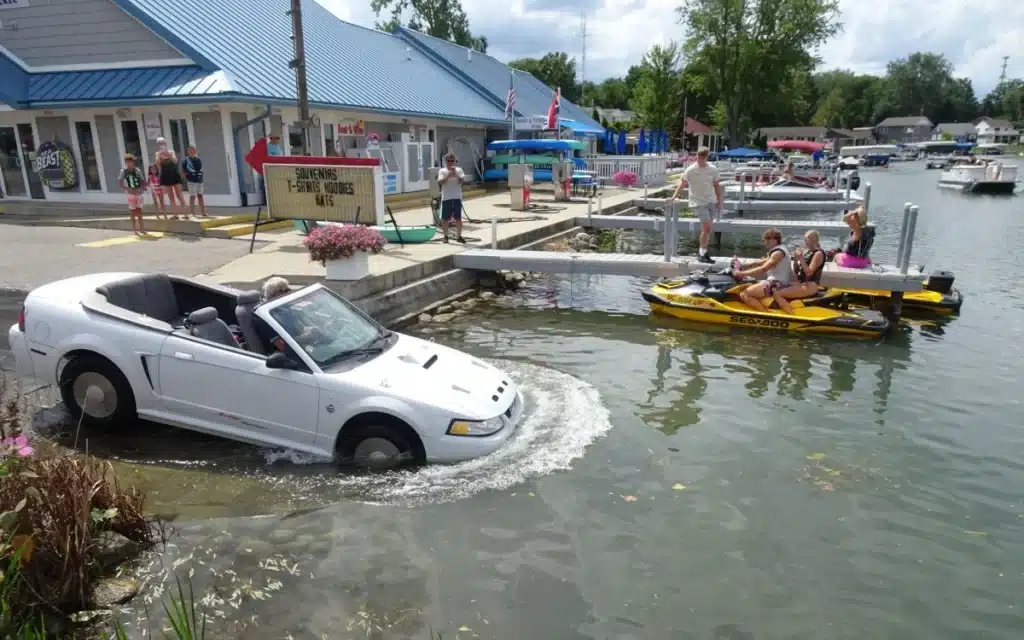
column 451, row 178
column 705, row 196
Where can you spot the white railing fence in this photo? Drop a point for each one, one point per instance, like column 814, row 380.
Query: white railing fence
column 649, row 169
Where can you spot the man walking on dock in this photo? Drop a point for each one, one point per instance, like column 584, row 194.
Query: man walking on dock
column 451, row 178
column 705, row 196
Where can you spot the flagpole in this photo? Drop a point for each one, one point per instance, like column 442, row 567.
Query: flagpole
column 512, row 113
column 558, row 104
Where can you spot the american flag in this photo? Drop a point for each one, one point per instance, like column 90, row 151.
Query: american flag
column 510, row 100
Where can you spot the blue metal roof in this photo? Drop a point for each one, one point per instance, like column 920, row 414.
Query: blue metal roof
column 125, row 85
column 13, row 82
column 347, row 65
column 533, row 97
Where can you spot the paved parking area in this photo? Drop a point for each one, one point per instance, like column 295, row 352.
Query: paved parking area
column 34, row 255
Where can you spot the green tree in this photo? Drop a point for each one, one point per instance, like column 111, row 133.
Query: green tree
column 923, row 84
column 555, row 69
column 1005, row 101
column 444, row 19
column 846, row 99
column 753, row 50
column 656, row 95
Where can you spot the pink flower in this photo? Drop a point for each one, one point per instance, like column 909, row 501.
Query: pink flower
column 625, row 178
column 18, row 444
column 340, row 241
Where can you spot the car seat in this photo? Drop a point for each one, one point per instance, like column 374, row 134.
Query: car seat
column 247, row 302
column 205, row 324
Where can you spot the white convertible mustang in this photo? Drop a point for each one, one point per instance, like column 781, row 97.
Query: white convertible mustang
column 307, row 370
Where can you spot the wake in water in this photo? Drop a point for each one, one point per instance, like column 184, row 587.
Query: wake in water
column 563, row 416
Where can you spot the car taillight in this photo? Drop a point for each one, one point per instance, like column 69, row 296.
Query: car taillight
column 21, row 319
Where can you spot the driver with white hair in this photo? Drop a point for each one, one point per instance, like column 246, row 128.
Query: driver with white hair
column 273, row 288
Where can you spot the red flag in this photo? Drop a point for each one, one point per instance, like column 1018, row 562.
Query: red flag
column 554, row 109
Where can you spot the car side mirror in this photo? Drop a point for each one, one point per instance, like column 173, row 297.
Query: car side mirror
column 278, row 360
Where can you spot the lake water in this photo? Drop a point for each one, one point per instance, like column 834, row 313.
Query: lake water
column 668, row 481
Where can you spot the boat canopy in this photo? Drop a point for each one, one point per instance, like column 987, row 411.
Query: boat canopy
column 536, row 145
column 805, row 146
column 744, row 152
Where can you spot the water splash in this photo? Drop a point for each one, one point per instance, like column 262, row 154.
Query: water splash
column 563, row 416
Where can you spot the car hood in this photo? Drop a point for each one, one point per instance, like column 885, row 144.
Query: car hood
column 431, row 373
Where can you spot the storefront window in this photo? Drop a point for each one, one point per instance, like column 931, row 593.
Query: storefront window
column 179, row 136
column 90, row 166
column 133, row 143
column 295, row 141
column 330, row 150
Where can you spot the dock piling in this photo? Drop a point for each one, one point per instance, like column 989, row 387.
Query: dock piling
column 903, row 234
column 912, row 226
column 867, row 197
column 600, row 207
column 645, row 193
column 494, row 232
column 743, row 185
column 667, row 238
column 590, row 209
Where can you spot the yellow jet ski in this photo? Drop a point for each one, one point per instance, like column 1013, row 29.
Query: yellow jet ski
column 938, row 296
column 713, row 298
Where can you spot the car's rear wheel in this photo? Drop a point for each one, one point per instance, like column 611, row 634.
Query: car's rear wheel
column 96, row 392
column 379, row 444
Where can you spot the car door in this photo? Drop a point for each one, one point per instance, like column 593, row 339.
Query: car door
column 233, row 391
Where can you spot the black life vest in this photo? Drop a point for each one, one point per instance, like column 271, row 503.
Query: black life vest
column 805, row 265
column 860, row 248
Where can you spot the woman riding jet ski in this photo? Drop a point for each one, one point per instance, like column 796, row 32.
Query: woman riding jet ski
column 716, row 299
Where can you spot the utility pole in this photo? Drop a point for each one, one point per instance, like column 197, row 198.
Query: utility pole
column 298, row 64
column 1002, row 74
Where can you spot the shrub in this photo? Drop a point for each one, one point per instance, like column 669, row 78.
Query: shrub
column 341, row 241
column 625, row 178
column 55, row 510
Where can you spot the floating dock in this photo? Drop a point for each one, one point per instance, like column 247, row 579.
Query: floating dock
column 763, row 206
column 609, row 264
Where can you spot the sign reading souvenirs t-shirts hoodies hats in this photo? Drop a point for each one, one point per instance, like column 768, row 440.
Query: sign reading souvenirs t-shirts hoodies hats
column 55, row 164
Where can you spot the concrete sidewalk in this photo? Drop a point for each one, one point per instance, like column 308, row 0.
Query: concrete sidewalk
column 285, row 256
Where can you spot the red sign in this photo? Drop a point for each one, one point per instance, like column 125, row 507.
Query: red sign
column 352, row 128
column 258, row 156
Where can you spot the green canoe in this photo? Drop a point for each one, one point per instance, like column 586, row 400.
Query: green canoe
column 410, row 234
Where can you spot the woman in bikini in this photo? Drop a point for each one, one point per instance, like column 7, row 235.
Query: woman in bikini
column 170, row 177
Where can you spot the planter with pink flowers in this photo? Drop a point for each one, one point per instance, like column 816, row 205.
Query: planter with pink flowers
column 344, row 249
column 625, row 179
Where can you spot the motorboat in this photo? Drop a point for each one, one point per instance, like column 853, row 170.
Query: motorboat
column 938, row 162
column 992, row 177
column 713, row 298
column 790, row 190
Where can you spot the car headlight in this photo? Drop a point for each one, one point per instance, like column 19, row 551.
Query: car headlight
column 475, row 428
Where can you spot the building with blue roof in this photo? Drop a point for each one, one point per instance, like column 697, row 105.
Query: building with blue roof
column 109, row 77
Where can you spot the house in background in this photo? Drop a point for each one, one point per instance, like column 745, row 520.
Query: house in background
column 959, row 131
column 904, row 129
column 700, row 135
column 837, row 137
column 995, row 130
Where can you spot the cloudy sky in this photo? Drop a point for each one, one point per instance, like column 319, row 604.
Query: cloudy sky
column 974, row 35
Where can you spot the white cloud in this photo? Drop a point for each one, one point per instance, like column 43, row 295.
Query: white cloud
column 974, row 35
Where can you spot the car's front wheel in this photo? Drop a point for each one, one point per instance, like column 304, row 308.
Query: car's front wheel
column 379, row 445
column 96, row 392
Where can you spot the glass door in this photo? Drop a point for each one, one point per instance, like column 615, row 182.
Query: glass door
column 28, row 158
column 10, row 165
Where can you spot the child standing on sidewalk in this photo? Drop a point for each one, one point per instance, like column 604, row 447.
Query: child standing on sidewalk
column 157, row 190
column 192, row 167
column 134, row 185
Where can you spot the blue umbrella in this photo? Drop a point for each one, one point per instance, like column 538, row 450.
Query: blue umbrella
column 622, row 143
column 641, row 143
column 658, row 142
column 609, row 141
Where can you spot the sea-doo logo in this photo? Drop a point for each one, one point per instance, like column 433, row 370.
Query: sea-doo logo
column 760, row 322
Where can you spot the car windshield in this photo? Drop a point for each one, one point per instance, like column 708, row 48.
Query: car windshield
column 327, row 327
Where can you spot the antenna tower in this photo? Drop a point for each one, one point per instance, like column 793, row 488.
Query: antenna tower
column 1002, row 74
column 583, row 61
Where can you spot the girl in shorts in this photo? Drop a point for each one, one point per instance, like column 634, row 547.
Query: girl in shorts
column 158, row 192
